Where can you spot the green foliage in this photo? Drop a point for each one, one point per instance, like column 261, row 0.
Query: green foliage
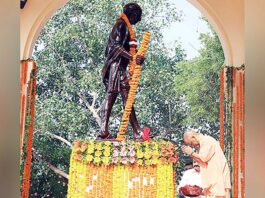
column 198, row 85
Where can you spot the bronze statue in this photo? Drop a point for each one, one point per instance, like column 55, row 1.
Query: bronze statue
column 114, row 72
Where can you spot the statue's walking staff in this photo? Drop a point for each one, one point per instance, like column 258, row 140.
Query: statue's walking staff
column 133, row 87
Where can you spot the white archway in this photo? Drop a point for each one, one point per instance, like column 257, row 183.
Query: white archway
column 213, row 19
column 38, row 23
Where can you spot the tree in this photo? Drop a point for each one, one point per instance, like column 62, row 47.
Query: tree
column 197, row 84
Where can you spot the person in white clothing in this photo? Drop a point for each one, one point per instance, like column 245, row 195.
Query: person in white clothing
column 191, row 177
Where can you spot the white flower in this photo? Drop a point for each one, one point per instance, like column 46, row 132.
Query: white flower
column 144, row 181
column 95, row 177
column 88, row 188
column 130, row 184
column 152, row 181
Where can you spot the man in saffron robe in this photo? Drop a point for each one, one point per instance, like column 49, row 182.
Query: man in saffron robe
column 215, row 172
column 114, row 72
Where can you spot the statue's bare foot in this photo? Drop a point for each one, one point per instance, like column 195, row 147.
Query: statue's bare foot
column 104, row 135
column 144, row 134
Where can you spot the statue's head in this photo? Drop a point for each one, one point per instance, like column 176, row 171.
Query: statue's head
column 133, row 11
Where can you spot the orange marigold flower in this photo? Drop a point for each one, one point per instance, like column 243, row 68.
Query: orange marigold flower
column 164, row 153
column 172, row 160
column 83, row 147
column 78, row 157
column 170, row 146
column 169, row 154
column 163, row 160
column 77, row 143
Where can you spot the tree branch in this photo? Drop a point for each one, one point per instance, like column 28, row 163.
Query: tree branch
column 55, row 137
column 91, row 107
column 56, row 170
column 61, row 139
column 170, row 130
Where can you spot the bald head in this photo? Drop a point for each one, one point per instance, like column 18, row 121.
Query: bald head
column 190, row 137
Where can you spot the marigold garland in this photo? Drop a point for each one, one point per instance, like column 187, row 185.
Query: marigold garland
column 235, row 136
column 26, row 68
column 133, row 87
column 238, row 133
column 240, row 101
column 23, row 74
column 29, row 135
column 234, row 128
column 119, row 187
column 129, row 152
column 222, row 108
column 132, row 38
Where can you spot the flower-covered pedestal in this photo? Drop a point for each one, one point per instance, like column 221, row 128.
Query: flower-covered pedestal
column 122, row 169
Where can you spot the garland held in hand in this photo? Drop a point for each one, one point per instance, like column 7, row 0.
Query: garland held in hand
column 134, row 72
column 133, row 87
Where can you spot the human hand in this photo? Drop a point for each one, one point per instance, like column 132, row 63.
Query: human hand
column 139, row 59
column 186, row 149
column 206, row 191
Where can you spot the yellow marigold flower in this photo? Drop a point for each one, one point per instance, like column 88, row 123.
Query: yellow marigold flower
column 106, row 160
column 106, row 153
column 90, row 149
column 107, row 143
column 99, row 146
column 98, row 153
column 155, row 153
column 155, row 160
column 137, row 144
column 140, row 162
column 107, row 148
column 147, row 155
column 146, row 143
column 97, row 159
column 148, row 162
column 89, row 158
column 139, row 154
column 156, row 145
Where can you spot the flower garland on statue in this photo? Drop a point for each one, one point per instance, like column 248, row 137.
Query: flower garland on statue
column 125, row 153
column 133, row 42
column 134, row 71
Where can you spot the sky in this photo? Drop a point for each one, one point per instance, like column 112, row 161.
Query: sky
column 186, row 32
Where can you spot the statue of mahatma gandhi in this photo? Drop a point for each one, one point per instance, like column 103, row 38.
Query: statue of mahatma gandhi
column 114, row 72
